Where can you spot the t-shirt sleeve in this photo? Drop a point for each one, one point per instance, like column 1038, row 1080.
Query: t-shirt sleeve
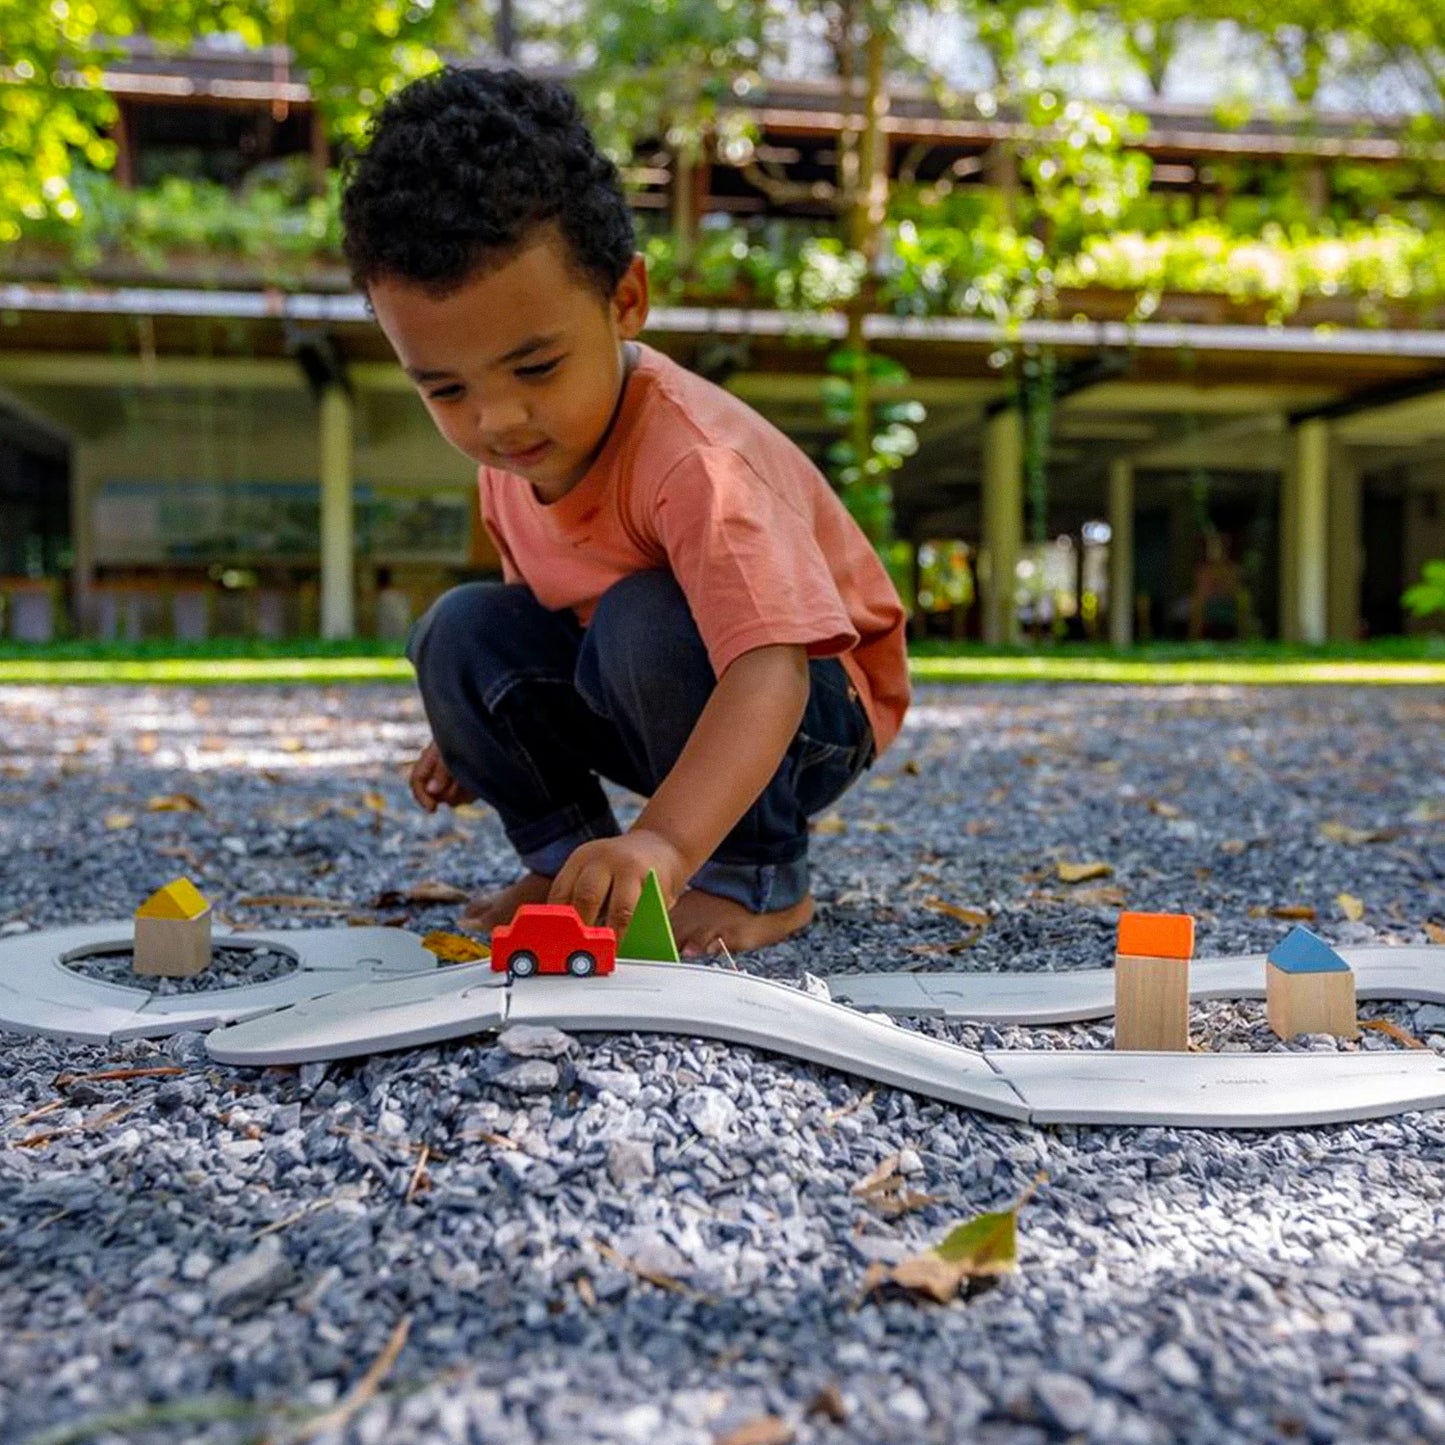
column 747, row 558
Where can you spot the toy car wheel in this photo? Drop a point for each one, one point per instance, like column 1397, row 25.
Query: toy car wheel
column 522, row 964
column 581, row 963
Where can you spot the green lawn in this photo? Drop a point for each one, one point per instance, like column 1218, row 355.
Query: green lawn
column 1393, row 661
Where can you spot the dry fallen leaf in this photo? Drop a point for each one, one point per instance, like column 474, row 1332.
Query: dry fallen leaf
column 829, row 1401
column 114, row 822
column 765, row 1430
column 1355, row 837
column 300, row 901
column 432, row 890
column 174, row 803
column 1164, row 810
column 1353, row 908
column 829, row 824
column 375, row 801
column 455, row 947
column 1294, row 912
column 979, row 1248
column 1394, row 1031
column 1083, row 872
column 973, row 917
column 879, row 1175
column 1233, row 846
column 913, row 767
column 1435, row 932
column 1104, row 895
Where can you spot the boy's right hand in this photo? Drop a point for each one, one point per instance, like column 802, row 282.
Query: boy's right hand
column 432, row 782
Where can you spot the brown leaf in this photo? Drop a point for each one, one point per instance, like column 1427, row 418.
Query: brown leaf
column 299, row 901
column 913, row 767
column 432, row 890
column 973, row 917
column 829, row 1401
column 1338, row 832
column 1294, row 912
column 905, row 1201
column 765, row 1430
column 1105, row 895
column 115, row 822
column 884, row 1171
column 1353, row 908
column 1083, row 872
column 830, row 824
column 1233, row 846
column 979, row 1248
column 455, row 947
column 376, row 802
column 174, row 803
column 1435, row 932
column 1394, row 1031
column 1164, row 810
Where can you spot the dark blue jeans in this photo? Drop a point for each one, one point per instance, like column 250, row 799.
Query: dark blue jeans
column 529, row 710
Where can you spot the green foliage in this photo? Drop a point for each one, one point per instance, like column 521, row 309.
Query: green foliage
column 351, row 53
column 1427, row 596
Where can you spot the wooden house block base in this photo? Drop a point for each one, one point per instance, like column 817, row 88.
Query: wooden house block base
column 1311, row 1002
column 172, row 947
column 1151, row 1003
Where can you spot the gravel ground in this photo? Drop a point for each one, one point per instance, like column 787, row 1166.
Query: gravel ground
column 217, row 1255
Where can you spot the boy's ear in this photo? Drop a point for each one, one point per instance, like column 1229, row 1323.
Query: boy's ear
column 630, row 300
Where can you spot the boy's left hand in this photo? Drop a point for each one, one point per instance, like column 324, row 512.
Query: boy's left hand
column 603, row 879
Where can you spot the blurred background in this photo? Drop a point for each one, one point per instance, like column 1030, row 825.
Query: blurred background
column 1110, row 324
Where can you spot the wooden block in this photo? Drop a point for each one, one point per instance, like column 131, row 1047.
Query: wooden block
column 173, row 947
column 1312, row 1001
column 1156, row 935
column 173, row 932
column 1151, row 1003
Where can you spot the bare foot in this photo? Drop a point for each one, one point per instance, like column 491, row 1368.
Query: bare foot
column 703, row 923
column 486, row 910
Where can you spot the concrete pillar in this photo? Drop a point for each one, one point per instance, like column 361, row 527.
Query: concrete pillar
column 85, row 459
column 1305, row 538
column 1345, row 546
column 1121, row 553
column 1003, row 522
column 338, row 552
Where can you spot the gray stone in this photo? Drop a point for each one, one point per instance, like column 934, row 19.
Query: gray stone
column 536, row 1041
column 530, row 1076
column 1067, row 1402
column 251, row 1279
column 630, row 1161
column 709, row 1111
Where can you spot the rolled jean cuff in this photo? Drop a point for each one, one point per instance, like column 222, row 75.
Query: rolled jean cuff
column 759, row 887
column 548, row 858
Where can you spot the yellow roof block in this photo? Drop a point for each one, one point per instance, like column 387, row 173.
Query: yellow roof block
column 178, row 899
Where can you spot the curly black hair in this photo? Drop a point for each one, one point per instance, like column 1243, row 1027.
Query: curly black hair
column 460, row 170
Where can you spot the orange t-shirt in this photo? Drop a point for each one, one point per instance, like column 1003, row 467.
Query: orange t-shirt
column 693, row 480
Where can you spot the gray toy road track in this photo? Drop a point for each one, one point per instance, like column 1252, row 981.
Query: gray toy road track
column 39, row 994
column 1208, row 1091
column 1057, row 998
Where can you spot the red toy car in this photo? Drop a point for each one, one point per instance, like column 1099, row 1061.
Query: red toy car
column 551, row 938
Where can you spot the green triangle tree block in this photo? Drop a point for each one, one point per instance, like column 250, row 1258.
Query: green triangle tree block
column 649, row 935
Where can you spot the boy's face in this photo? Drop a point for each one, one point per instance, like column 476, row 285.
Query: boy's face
column 521, row 367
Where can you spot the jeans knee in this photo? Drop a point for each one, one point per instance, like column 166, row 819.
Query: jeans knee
column 458, row 632
column 641, row 627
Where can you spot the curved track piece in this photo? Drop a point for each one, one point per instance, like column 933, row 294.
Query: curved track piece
column 1415, row 973
column 1227, row 1091
column 1220, row 1091
column 739, row 1008
column 39, row 994
column 398, row 1013
column 647, row 997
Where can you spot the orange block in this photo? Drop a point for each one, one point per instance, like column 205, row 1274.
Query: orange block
column 1156, row 935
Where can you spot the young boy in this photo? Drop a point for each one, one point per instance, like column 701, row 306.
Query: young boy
column 687, row 609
